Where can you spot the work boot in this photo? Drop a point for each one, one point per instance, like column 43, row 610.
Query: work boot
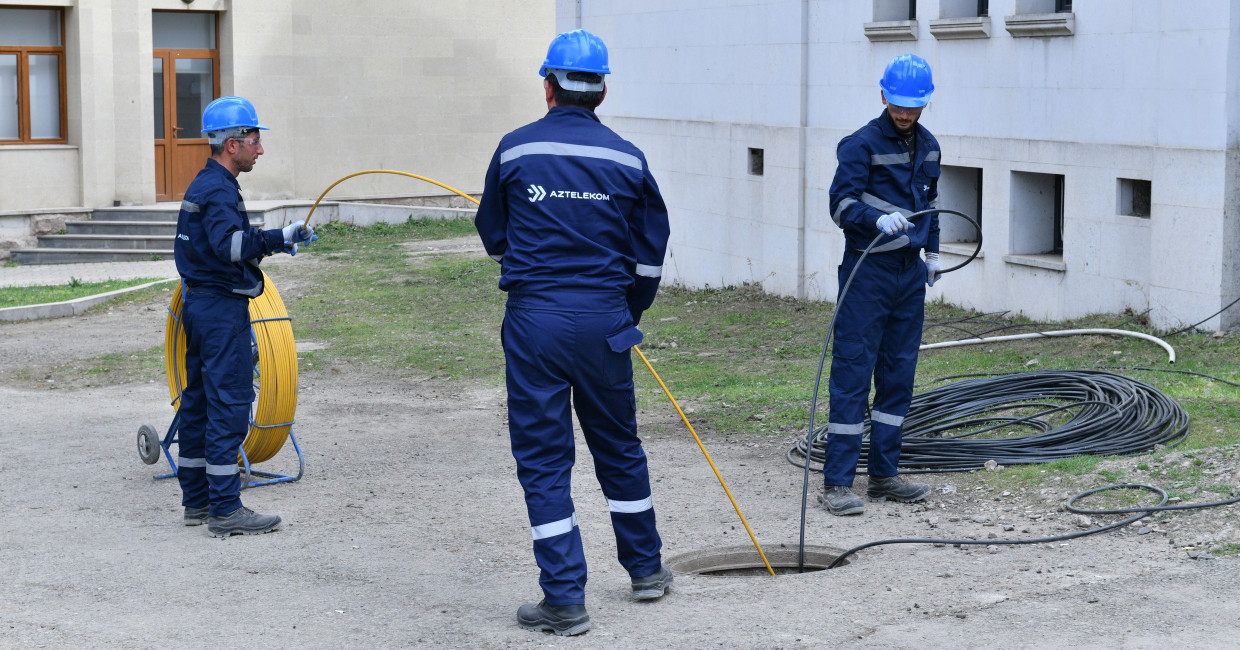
column 653, row 585
column 839, row 501
column 561, row 620
column 895, row 488
column 196, row 516
column 242, row 521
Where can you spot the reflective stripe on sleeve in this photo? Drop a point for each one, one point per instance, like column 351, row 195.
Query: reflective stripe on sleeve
column 565, row 149
column 189, row 206
column 234, row 252
column 886, row 418
column 191, row 462
column 887, row 208
column 899, row 242
column 647, row 271
column 554, row 528
column 498, row 258
column 838, row 215
column 846, row 429
column 630, row 506
column 223, row 470
column 933, row 155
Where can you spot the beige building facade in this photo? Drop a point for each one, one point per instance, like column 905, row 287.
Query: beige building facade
column 107, row 111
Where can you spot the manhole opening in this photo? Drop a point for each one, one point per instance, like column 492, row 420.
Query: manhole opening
column 744, row 561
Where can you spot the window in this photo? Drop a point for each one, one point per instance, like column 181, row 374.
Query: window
column 889, row 10
column 894, row 20
column 963, row 8
column 1037, row 213
column 962, row 19
column 960, row 189
column 32, row 76
column 1133, row 197
column 755, row 161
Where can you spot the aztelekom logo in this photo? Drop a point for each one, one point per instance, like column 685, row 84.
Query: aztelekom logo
column 537, row 193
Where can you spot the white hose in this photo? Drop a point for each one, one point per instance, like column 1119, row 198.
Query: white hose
column 1034, row 335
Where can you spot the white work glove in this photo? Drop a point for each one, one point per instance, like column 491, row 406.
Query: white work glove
column 933, row 270
column 298, row 232
column 892, row 223
column 289, row 248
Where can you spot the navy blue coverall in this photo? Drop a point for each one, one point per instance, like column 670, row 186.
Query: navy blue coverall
column 575, row 218
column 217, row 255
column 878, row 328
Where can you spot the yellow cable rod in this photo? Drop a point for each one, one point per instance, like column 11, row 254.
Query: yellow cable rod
column 707, row 454
column 639, row 353
column 384, row 171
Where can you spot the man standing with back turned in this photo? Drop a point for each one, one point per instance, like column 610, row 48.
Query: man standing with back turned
column 217, row 255
column 574, row 217
column 886, row 170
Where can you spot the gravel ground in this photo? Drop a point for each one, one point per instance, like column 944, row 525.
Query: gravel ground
column 408, row 529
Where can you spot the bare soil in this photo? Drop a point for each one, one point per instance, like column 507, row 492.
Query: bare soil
column 408, row 529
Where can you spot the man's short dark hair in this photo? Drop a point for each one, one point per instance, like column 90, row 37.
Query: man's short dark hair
column 589, row 100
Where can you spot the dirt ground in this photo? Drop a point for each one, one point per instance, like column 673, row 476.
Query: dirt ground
column 408, row 529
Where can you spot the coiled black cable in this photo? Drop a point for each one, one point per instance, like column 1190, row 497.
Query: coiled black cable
column 961, row 426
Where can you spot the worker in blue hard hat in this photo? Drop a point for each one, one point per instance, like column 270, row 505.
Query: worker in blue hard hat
column 887, row 170
column 572, row 213
column 217, row 255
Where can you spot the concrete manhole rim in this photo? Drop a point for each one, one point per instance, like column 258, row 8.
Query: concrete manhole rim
column 784, row 558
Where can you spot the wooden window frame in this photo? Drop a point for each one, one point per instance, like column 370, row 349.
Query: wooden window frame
column 23, row 84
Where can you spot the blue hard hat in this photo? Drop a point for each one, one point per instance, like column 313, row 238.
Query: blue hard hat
column 229, row 113
column 577, row 50
column 907, row 81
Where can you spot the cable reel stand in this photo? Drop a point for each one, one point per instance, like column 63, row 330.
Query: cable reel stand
column 275, row 382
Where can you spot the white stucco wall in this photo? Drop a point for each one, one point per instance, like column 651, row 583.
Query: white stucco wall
column 1141, row 90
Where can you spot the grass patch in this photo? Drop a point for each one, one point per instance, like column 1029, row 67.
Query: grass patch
column 21, row 296
column 740, row 361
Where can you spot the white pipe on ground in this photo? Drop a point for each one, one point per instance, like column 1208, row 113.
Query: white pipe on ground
column 1034, row 335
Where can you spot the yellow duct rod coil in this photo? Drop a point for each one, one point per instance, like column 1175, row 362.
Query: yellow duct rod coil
column 275, row 371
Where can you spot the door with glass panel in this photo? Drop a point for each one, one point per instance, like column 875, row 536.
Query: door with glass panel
column 187, row 72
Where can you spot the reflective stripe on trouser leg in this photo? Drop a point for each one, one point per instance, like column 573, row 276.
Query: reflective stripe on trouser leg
column 191, row 433
column 220, row 331
column 896, row 368
column 607, row 410
column 857, row 336
column 541, row 433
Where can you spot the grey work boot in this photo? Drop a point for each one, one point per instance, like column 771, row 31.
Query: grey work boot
column 896, row 488
column 653, row 585
column 561, row 620
column 839, row 501
column 196, row 516
column 242, row 521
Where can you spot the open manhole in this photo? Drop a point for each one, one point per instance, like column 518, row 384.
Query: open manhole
column 745, row 561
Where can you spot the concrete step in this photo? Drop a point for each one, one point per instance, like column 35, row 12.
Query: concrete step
column 76, row 255
column 166, row 212
column 120, row 242
column 113, row 228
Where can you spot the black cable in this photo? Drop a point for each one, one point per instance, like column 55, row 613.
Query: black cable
column 1140, row 513
column 1112, row 415
column 827, row 343
column 1194, row 325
